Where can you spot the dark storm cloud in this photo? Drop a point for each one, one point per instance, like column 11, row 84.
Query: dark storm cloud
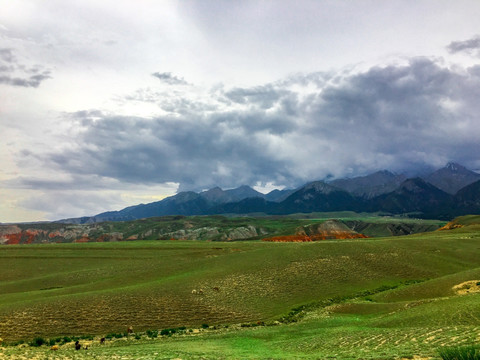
column 169, row 79
column 471, row 46
column 399, row 117
column 15, row 73
column 158, row 150
column 416, row 114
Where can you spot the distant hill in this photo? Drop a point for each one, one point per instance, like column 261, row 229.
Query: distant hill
column 452, row 178
column 209, row 228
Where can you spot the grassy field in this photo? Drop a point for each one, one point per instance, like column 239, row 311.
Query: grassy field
column 377, row 298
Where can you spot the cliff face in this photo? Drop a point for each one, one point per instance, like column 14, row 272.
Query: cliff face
column 19, row 234
column 162, row 229
column 13, row 234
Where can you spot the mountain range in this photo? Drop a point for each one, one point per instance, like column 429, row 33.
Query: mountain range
column 448, row 192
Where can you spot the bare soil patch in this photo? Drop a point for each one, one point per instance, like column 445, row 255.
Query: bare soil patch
column 467, row 287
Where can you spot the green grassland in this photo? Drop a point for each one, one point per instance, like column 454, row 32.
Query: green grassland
column 375, row 298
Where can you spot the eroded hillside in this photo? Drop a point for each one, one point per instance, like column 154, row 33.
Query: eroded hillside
column 213, row 228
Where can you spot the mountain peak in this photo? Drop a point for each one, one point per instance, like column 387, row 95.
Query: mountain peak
column 452, row 177
column 380, row 182
column 384, row 172
column 243, row 192
column 243, row 187
column 455, row 167
column 215, row 189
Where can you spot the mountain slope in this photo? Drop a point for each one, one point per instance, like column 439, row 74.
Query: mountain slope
column 184, row 203
column 278, row 195
column 319, row 196
column 467, row 200
column 415, row 195
column 380, row 182
column 243, row 192
column 246, row 206
column 452, row 178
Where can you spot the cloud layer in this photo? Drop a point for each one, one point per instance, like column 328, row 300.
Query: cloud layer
column 402, row 117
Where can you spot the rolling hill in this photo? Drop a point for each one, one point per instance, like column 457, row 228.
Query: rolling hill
column 386, row 298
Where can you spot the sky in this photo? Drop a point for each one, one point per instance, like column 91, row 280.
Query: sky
column 107, row 104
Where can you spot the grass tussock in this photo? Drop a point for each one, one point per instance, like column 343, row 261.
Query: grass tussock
column 470, row 352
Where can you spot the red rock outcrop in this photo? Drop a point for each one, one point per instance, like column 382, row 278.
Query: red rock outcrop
column 330, row 229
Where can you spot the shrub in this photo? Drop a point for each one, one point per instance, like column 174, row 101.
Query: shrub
column 52, row 342
column 38, row 341
column 171, row 331
column 204, row 326
column 66, row 339
column 460, row 353
column 152, row 333
column 137, row 337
